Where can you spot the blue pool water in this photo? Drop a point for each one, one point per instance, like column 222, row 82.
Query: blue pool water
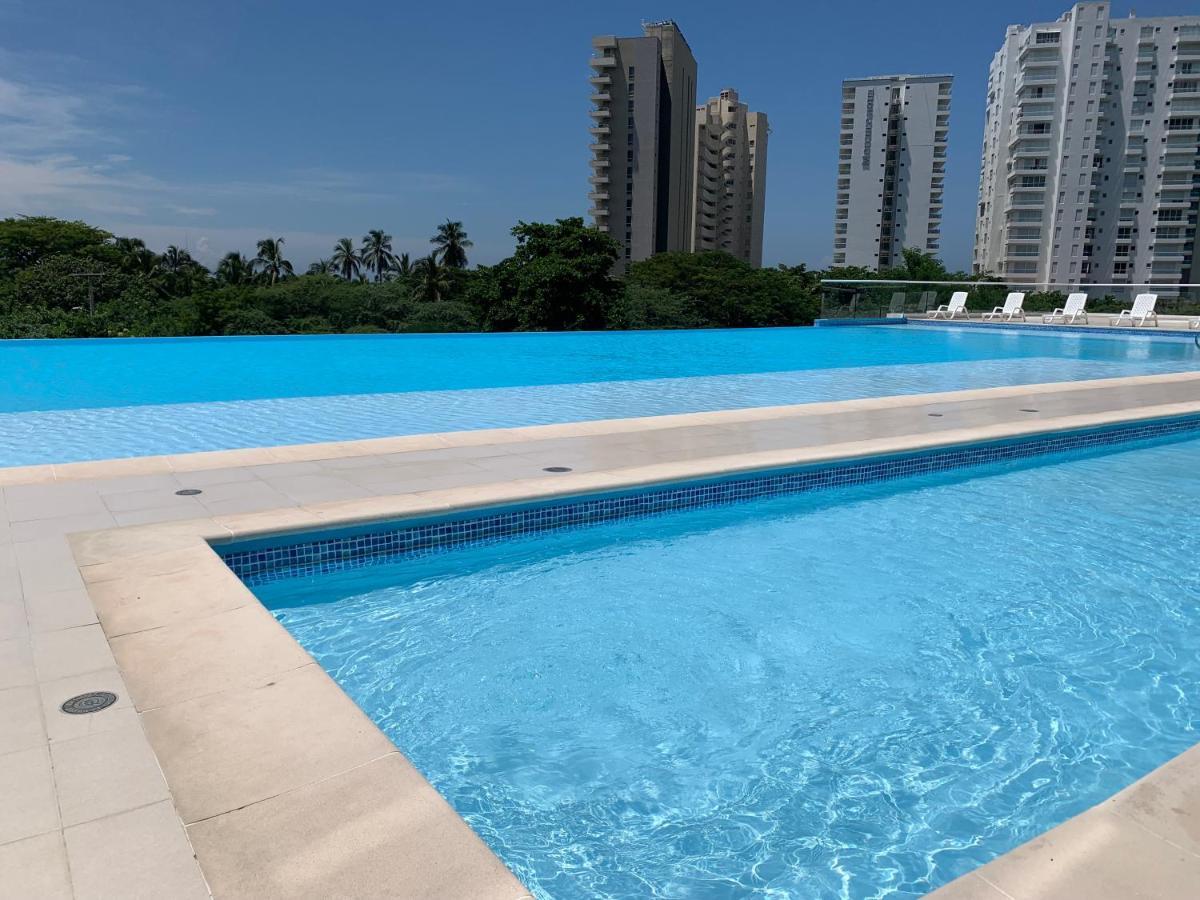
column 73, row 400
column 856, row 693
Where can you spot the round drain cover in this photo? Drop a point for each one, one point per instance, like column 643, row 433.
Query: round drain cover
column 89, row 703
column 188, row 492
column 557, row 469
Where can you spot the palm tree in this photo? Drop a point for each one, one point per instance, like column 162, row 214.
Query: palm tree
column 135, row 258
column 402, row 266
column 176, row 260
column 322, row 267
column 433, row 278
column 451, row 240
column 376, row 253
column 234, row 268
column 270, row 259
column 345, row 261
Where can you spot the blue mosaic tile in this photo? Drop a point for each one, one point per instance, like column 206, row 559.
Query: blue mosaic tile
column 258, row 564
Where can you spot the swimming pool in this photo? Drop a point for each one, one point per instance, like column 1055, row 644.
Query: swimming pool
column 62, row 401
column 857, row 692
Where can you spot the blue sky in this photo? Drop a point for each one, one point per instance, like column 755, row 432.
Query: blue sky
column 213, row 124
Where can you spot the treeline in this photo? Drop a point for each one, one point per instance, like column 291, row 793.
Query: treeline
column 70, row 279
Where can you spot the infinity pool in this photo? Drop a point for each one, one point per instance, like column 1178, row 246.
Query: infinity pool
column 94, row 399
column 859, row 693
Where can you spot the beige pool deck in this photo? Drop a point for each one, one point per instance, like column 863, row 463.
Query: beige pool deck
column 232, row 765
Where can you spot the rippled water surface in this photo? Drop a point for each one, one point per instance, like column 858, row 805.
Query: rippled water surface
column 860, row 693
column 74, row 400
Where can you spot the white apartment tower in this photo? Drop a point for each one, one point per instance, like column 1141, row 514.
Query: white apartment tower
column 1091, row 151
column 643, row 134
column 891, row 168
column 730, row 177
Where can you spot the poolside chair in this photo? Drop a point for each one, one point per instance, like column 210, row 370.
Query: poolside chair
column 1011, row 308
column 896, row 307
column 1194, row 323
column 1071, row 312
column 928, row 298
column 1142, row 313
column 951, row 310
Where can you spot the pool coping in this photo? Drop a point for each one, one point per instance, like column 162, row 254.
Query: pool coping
column 287, row 453
column 197, row 650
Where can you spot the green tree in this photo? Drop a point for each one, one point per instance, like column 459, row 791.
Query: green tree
column 452, row 242
column 376, row 253
column 234, row 269
column 345, row 260
column 25, row 240
column 402, row 267
column 321, row 267
column 433, row 278
column 270, row 260
column 558, row 278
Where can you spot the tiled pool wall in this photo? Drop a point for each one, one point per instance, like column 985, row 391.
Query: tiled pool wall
column 299, row 554
column 1190, row 336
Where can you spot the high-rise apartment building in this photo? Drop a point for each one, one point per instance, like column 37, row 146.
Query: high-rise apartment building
column 730, row 177
column 1091, row 151
column 643, row 135
column 891, row 168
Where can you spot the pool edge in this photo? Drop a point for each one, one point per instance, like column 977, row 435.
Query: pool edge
column 173, row 569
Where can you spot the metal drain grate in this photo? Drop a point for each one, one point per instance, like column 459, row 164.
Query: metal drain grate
column 1029, row 410
column 936, row 415
column 89, row 703
column 188, row 492
column 557, row 469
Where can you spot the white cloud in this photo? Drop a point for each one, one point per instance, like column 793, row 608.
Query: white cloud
column 193, row 210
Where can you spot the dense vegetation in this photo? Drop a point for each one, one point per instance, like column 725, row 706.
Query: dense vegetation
column 70, row 279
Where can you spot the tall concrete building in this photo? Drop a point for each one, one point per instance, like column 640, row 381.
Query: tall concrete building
column 730, row 177
column 643, row 137
column 1091, row 151
column 891, row 168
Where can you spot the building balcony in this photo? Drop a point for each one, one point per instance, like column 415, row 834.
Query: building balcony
column 602, row 113
column 602, row 62
column 600, row 97
column 599, row 147
column 599, row 179
column 598, row 212
column 600, row 79
column 600, row 162
column 600, row 130
column 598, row 195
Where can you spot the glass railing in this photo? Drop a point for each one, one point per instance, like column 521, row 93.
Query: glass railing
column 1177, row 304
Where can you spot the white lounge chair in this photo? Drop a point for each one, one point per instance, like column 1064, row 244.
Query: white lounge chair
column 1069, row 313
column 951, row 310
column 896, row 307
column 1194, row 323
column 928, row 298
column 1011, row 308
column 1142, row 313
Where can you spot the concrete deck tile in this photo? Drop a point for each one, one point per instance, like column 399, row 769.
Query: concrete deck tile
column 159, row 514
column 228, row 750
column 210, row 478
column 46, row 565
column 22, row 475
column 21, row 713
column 1098, row 856
column 134, row 542
column 142, row 854
column 61, row 726
column 158, row 497
column 30, row 805
column 277, row 470
column 13, row 622
column 36, row 868
column 137, row 603
column 70, row 651
column 1167, row 804
column 39, row 529
column 237, row 648
column 253, row 490
column 194, row 554
column 969, row 887
column 106, row 773
column 55, row 610
column 377, row 831
column 51, row 501
column 319, row 488
column 163, row 483
column 16, row 663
